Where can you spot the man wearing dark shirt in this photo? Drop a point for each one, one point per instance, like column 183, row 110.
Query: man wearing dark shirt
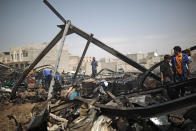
column 166, row 71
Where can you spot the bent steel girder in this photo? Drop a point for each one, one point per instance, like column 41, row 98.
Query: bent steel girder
column 100, row 44
column 160, row 88
column 189, row 83
column 152, row 110
column 191, row 48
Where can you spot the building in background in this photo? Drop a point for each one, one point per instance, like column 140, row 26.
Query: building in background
column 146, row 60
column 5, row 57
column 23, row 56
column 136, row 57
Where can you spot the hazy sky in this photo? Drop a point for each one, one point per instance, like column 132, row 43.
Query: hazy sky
column 128, row 26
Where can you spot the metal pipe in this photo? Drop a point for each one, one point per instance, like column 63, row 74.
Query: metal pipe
column 149, row 111
column 58, row 59
column 144, row 112
column 55, row 11
column 82, row 57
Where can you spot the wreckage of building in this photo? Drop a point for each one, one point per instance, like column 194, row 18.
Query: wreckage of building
column 40, row 98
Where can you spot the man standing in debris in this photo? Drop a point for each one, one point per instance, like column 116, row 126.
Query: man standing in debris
column 94, row 67
column 181, row 67
column 166, row 71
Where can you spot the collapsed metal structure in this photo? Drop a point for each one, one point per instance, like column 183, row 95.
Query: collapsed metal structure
column 129, row 112
column 89, row 37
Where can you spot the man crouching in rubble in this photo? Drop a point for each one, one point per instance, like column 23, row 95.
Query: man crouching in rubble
column 181, row 67
column 166, row 71
column 94, row 67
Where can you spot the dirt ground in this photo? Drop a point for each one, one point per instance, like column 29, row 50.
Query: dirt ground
column 20, row 111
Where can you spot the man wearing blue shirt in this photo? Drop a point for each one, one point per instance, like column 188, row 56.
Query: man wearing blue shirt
column 94, row 67
column 181, row 66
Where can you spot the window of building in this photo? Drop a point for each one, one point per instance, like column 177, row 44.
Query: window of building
column 12, row 57
column 25, row 54
column 18, row 57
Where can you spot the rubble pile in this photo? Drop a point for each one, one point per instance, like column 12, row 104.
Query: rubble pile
column 109, row 104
